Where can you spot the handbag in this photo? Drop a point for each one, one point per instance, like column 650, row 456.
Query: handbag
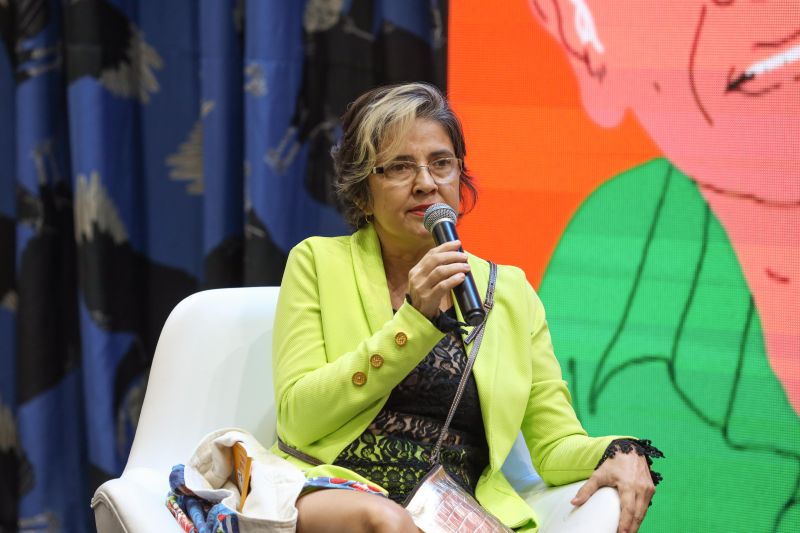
column 438, row 504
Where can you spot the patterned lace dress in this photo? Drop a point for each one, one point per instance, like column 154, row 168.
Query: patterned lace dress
column 394, row 450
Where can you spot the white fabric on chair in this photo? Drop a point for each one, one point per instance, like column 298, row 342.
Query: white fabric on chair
column 212, row 369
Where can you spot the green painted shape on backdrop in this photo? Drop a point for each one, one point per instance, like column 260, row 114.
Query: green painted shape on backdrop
column 654, row 326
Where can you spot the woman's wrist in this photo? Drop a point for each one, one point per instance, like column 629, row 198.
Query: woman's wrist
column 642, row 448
column 442, row 320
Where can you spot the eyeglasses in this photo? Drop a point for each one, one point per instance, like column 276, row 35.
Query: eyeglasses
column 442, row 170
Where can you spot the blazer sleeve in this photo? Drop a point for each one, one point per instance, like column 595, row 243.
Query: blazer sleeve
column 560, row 448
column 315, row 391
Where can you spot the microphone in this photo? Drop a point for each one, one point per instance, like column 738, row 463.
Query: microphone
column 440, row 220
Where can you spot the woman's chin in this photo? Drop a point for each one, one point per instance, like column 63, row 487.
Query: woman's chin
column 418, row 235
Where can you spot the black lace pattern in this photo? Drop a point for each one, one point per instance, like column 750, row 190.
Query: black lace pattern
column 394, row 451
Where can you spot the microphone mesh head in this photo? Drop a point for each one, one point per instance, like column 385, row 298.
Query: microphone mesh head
column 438, row 212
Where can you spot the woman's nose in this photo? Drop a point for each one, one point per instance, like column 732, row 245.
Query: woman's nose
column 423, row 181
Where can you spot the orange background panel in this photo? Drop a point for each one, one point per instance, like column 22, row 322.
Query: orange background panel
column 534, row 152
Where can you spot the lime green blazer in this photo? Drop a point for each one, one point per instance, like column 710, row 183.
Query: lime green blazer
column 334, row 313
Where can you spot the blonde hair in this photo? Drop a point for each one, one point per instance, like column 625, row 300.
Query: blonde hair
column 374, row 126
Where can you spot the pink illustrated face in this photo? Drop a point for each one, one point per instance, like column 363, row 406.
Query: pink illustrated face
column 715, row 83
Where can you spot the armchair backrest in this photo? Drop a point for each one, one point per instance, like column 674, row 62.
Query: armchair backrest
column 212, row 369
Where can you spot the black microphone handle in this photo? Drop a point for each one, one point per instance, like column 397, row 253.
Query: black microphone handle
column 466, row 293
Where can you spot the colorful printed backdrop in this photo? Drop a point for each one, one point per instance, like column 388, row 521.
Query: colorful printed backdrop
column 641, row 161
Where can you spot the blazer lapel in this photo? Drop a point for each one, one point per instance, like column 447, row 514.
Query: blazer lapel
column 371, row 277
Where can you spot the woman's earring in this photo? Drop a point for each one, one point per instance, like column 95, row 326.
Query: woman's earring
column 368, row 218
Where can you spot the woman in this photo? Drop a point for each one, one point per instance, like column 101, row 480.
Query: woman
column 368, row 350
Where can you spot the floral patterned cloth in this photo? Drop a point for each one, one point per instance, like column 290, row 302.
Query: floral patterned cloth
column 321, row 482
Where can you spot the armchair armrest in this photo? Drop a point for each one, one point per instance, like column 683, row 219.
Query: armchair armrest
column 600, row 514
column 134, row 503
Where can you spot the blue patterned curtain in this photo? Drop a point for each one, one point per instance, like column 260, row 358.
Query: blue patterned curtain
column 150, row 149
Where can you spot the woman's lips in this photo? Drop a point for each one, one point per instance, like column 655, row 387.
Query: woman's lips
column 419, row 210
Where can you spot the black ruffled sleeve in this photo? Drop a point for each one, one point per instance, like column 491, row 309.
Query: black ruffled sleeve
column 641, row 447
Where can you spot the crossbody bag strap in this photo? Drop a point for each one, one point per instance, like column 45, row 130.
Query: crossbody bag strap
column 477, row 337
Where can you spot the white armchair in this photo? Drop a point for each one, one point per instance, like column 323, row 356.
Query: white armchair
column 213, row 369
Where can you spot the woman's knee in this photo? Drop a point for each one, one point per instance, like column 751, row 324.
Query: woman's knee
column 344, row 510
column 385, row 516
